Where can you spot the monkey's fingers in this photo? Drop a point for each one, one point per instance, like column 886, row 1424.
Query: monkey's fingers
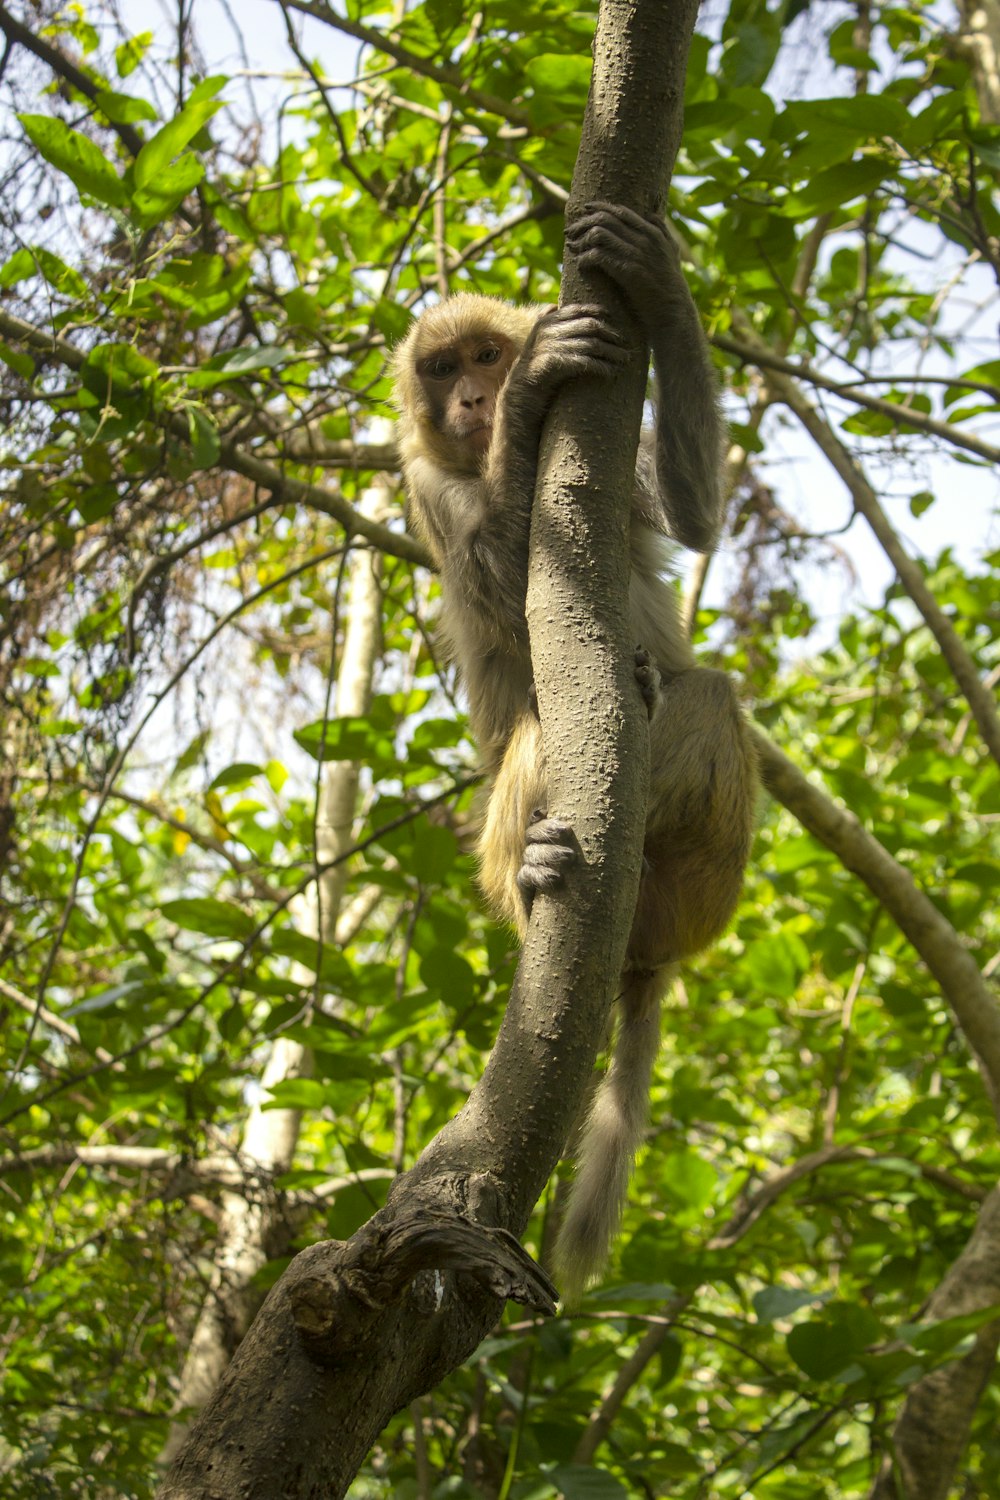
column 579, row 344
column 579, row 320
column 638, row 254
column 620, row 211
column 620, row 220
column 549, row 851
column 573, row 310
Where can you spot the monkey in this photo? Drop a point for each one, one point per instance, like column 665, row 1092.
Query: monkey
column 474, row 379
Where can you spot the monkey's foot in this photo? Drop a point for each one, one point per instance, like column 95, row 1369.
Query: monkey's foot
column 647, row 675
column 549, row 850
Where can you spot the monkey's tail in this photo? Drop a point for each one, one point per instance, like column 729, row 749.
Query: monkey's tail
column 611, row 1136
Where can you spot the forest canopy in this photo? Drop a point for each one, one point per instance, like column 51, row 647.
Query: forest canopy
column 245, row 972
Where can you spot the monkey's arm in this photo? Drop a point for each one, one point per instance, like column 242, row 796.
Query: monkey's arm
column 485, row 548
column 566, row 342
column 641, row 258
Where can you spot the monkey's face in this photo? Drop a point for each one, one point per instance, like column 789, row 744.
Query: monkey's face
column 461, row 383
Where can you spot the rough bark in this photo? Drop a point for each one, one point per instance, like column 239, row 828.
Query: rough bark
column 353, row 1332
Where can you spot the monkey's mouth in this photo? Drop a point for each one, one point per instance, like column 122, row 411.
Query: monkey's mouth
column 478, row 437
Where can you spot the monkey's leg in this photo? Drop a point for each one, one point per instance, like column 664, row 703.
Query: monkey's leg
column 550, row 846
column 519, row 790
column 703, row 787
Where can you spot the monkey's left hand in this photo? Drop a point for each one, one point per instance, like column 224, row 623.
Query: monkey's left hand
column 636, row 252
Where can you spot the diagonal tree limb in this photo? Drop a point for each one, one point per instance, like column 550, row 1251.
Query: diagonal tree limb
column 757, row 353
column 981, row 701
column 973, row 1002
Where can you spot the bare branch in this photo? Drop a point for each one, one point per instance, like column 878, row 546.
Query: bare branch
column 757, row 353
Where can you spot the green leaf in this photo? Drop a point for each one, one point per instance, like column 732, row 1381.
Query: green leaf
column 947, row 1334
column 193, row 753
column 171, row 185
column 58, row 274
column 297, row 1093
column 241, row 773
column 21, row 364
column 347, row 738
column 839, row 185
column 118, row 365
column 129, row 55
column 435, row 850
column 158, row 152
column 689, row 1178
column 775, row 963
column 449, row 975
column 774, row 1302
column 123, row 109
column 578, row 1482
column 859, row 118
column 218, row 919
column 558, row 75
column 826, row 1346
column 205, row 442
column 238, row 363
column 21, row 265
column 83, row 162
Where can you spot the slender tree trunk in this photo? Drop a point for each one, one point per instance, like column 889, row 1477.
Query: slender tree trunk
column 255, row 1226
column 933, row 1427
column 979, row 41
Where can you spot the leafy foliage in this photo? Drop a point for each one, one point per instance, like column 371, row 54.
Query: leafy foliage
column 196, row 307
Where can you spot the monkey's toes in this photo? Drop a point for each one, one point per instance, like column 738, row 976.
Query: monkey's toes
column 647, row 675
column 549, row 851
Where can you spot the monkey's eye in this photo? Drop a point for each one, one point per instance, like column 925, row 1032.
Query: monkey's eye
column 440, row 369
column 488, row 355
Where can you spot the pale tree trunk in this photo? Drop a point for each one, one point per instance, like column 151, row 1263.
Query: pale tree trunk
column 979, row 42
column 354, row 1331
column 254, row 1228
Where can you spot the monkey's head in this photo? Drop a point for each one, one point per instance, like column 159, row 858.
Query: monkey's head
column 449, row 372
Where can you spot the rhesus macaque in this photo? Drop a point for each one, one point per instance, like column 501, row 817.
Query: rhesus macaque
column 474, row 379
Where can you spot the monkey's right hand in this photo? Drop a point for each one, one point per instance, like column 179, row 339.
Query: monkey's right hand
column 567, row 342
column 549, row 850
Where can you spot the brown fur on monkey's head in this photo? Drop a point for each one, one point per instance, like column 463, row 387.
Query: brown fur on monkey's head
column 467, row 315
